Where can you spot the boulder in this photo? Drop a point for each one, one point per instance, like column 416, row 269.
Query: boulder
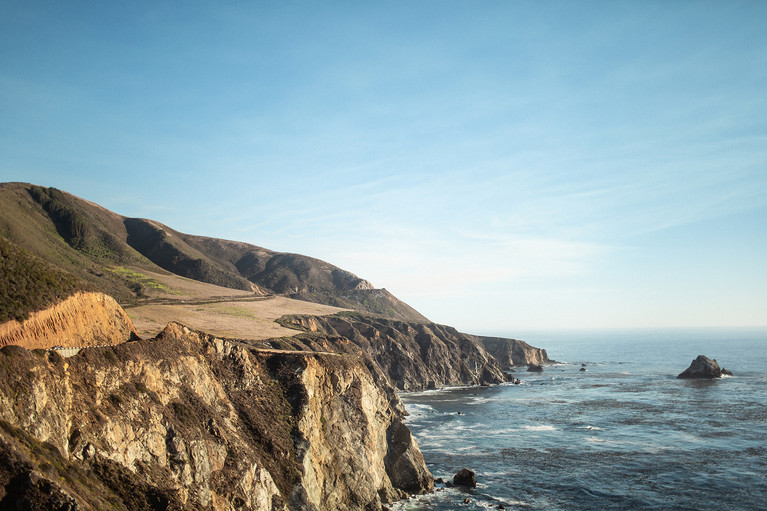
column 465, row 477
column 703, row 367
column 535, row 368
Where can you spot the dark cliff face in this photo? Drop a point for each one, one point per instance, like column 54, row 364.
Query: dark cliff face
column 188, row 421
column 414, row 356
column 512, row 352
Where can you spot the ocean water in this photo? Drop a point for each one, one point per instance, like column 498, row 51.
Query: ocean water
column 623, row 434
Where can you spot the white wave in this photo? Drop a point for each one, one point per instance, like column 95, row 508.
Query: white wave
column 479, row 400
column 542, row 427
column 419, row 410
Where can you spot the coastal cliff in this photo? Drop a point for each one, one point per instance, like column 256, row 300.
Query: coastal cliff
column 414, row 356
column 190, row 421
column 513, row 353
column 83, row 319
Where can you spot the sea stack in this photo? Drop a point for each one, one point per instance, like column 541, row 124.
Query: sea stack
column 465, row 478
column 703, row 367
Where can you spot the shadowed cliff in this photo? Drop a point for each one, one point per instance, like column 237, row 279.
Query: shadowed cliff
column 414, row 356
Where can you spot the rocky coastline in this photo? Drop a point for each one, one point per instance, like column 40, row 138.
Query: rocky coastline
column 414, row 356
column 190, row 421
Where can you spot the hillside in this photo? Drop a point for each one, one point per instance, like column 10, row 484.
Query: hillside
column 112, row 253
column 281, row 403
column 29, row 284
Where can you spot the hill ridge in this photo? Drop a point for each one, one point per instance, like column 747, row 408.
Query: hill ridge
column 88, row 240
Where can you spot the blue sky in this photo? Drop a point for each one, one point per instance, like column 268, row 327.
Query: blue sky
column 497, row 165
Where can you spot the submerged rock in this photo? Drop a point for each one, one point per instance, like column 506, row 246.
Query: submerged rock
column 703, row 367
column 465, row 477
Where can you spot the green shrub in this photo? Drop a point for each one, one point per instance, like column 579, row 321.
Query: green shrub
column 29, row 284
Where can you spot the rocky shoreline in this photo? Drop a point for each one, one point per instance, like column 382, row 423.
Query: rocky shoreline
column 191, row 421
column 196, row 422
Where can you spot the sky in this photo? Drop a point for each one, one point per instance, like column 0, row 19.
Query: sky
column 498, row 165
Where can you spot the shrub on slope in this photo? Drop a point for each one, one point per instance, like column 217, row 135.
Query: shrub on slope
column 28, row 284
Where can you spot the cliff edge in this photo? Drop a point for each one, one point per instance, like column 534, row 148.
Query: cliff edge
column 513, row 353
column 83, row 319
column 414, row 356
column 190, row 421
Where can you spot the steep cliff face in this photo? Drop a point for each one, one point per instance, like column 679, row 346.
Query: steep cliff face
column 189, row 421
column 83, row 319
column 512, row 352
column 415, row 356
column 340, row 407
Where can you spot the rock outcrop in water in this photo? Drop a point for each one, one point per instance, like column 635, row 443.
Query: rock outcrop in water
column 703, row 367
column 83, row 319
column 465, row 478
column 189, row 421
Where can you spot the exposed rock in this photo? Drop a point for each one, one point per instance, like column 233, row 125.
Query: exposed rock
column 465, row 477
column 702, row 367
column 534, row 368
column 189, row 421
column 84, row 319
column 512, row 352
column 414, row 356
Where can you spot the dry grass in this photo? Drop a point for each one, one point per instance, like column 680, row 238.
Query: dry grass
column 180, row 288
column 235, row 319
column 230, row 313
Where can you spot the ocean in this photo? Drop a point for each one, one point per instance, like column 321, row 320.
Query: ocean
column 623, row 434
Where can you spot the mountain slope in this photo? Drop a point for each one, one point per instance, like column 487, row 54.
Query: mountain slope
column 98, row 245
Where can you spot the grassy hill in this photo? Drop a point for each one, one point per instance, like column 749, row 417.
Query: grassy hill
column 29, row 284
column 111, row 252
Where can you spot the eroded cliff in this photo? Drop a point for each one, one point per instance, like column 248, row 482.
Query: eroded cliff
column 189, row 421
column 414, row 356
column 83, row 319
column 512, row 352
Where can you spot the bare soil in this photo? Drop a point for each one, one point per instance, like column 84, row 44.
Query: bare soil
column 217, row 310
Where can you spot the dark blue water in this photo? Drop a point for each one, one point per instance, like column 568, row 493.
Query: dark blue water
column 624, row 434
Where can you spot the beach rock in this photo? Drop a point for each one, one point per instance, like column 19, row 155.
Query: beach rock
column 465, row 477
column 534, row 368
column 702, row 367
